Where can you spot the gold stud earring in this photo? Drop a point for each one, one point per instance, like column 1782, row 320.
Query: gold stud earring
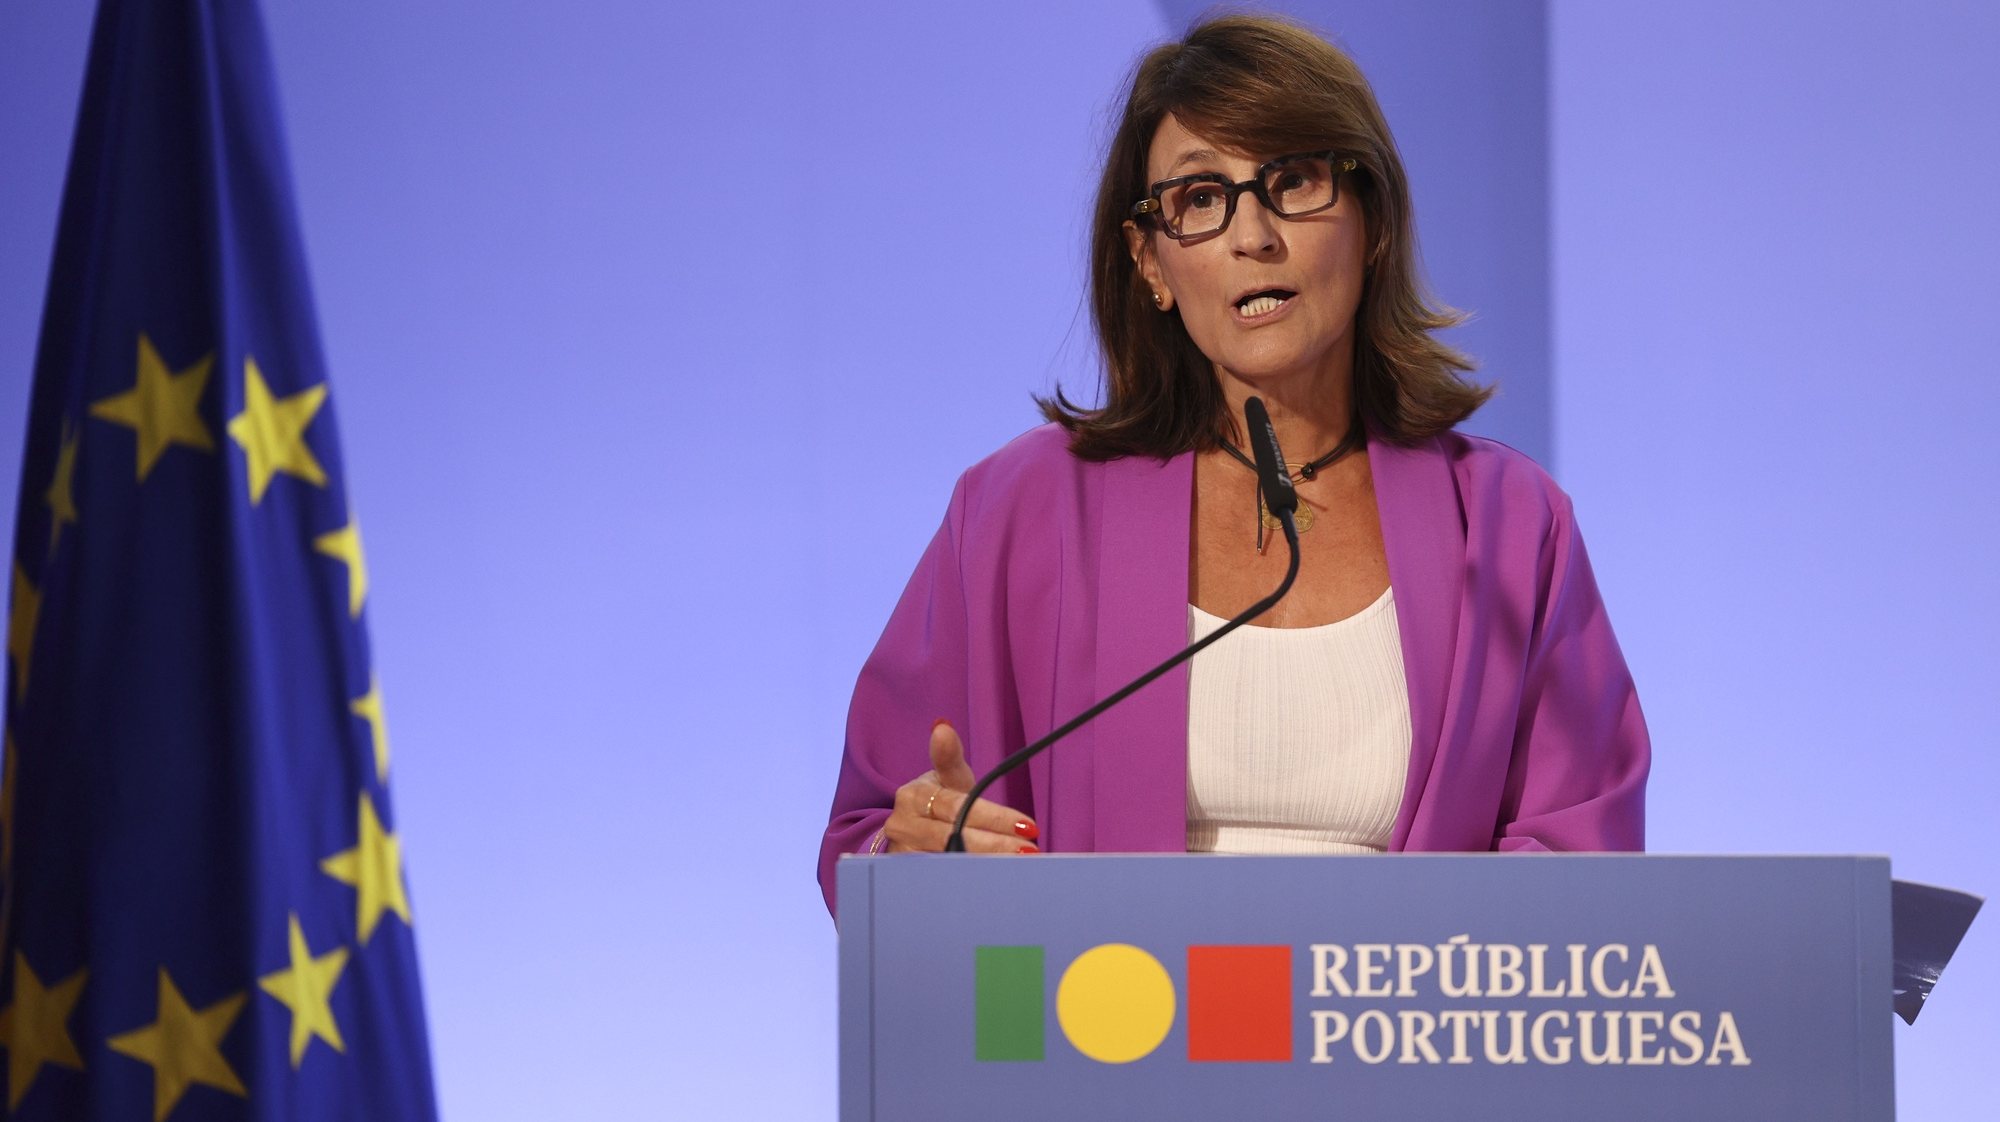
column 1157, row 301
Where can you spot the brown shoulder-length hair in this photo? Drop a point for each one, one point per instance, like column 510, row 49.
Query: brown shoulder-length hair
column 1262, row 86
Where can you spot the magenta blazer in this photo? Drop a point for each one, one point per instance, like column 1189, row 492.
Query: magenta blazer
column 1054, row 581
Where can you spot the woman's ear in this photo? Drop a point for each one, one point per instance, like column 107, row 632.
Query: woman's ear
column 1141, row 248
column 1378, row 238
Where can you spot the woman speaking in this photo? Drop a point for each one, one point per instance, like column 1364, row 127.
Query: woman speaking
column 1442, row 675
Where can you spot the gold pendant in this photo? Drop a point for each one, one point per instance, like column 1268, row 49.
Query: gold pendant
column 1301, row 517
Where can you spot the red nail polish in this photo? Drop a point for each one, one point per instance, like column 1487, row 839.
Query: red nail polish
column 1027, row 830
column 1029, row 849
column 940, row 721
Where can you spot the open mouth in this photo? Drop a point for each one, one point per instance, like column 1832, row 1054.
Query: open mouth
column 1263, row 303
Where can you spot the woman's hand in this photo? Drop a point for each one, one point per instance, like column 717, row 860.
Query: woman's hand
column 926, row 806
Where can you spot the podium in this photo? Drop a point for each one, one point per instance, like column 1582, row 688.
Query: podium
column 1402, row 986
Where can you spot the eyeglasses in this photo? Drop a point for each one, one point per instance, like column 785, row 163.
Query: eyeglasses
column 1191, row 207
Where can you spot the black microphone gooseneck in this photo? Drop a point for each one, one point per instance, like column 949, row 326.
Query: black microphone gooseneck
column 1279, row 496
column 1282, row 501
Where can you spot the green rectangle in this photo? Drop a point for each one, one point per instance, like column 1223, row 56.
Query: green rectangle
column 1009, row 999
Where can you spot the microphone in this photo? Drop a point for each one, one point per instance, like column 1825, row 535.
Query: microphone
column 1282, row 501
column 1273, row 480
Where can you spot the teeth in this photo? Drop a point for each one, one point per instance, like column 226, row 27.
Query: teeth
column 1262, row 305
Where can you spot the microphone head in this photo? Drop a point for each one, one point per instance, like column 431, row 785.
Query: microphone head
column 1279, row 498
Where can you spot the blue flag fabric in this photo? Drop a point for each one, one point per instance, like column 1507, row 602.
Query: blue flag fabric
column 205, row 912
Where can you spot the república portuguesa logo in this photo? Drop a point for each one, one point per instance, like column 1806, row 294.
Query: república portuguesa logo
column 1117, row 1003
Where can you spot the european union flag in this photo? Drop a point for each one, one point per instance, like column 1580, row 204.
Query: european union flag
column 205, row 909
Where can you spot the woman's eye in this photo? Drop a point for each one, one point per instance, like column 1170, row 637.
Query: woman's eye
column 1202, row 198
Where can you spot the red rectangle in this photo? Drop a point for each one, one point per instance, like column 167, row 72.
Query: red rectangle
column 1239, row 1003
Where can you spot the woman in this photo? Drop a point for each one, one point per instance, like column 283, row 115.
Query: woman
column 1441, row 677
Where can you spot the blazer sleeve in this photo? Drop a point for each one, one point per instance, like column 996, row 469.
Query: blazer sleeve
column 1577, row 779
column 916, row 675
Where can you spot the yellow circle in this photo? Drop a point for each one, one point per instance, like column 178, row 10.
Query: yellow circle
column 1115, row 1003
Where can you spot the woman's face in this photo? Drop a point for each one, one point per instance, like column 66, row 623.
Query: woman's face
column 1318, row 259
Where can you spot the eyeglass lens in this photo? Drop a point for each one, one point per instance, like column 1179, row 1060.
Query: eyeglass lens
column 1296, row 186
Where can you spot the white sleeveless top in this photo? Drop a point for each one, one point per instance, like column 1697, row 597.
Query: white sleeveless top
column 1298, row 737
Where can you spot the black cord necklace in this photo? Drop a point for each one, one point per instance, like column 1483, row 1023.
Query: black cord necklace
column 1304, row 518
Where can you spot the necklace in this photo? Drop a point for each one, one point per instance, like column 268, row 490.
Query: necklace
column 1303, row 517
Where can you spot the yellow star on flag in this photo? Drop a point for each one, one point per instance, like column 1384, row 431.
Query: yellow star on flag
column 36, row 1027
column 344, row 545
column 368, row 707
column 272, row 432
column 305, row 989
column 375, row 868
column 27, row 609
column 184, row 1046
column 162, row 406
column 61, row 495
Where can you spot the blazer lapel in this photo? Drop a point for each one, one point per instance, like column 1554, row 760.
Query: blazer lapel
column 1423, row 533
column 1139, row 777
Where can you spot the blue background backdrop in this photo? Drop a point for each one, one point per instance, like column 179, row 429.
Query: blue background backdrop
column 1732, row 265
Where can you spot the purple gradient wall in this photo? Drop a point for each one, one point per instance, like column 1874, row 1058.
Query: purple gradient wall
column 582, row 272
column 1775, row 404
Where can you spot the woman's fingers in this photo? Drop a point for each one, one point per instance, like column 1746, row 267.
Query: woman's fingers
column 927, row 805
column 928, row 835
column 924, row 809
column 986, row 815
column 948, row 758
column 955, row 776
column 922, row 797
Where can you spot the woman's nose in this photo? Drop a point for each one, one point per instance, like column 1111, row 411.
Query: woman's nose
column 1254, row 229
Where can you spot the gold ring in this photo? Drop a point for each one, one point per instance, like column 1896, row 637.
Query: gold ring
column 932, row 801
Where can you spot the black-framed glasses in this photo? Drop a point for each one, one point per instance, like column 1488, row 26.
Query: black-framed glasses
column 1190, row 207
